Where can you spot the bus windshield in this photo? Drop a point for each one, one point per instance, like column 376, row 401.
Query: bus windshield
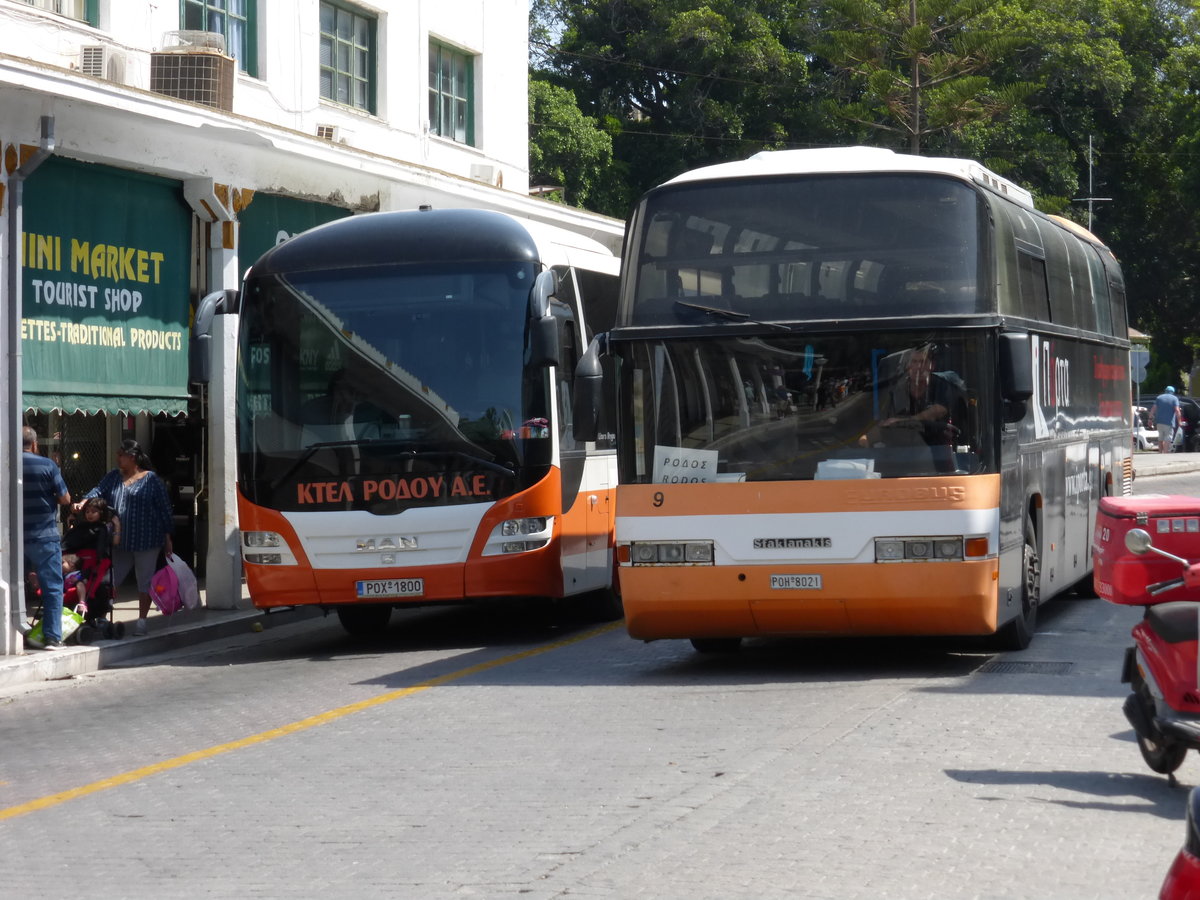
column 815, row 247
column 383, row 388
column 784, row 407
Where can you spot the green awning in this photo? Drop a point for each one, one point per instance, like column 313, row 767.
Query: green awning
column 105, row 291
column 94, row 403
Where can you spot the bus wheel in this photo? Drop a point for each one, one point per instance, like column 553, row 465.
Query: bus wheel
column 604, row 605
column 1017, row 634
column 364, row 621
column 716, row 645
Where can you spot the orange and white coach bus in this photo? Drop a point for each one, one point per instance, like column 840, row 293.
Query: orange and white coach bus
column 860, row 393
column 403, row 416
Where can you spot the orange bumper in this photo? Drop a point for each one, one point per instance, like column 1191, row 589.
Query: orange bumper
column 863, row 599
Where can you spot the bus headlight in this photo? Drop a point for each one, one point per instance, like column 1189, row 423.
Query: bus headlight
column 266, row 548
column 520, row 535
column 671, row 553
column 535, row 525
column 942, row 548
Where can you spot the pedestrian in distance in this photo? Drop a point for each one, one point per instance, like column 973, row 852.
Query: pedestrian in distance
column 1167, row 416
column 44, row 492
column 143, row 507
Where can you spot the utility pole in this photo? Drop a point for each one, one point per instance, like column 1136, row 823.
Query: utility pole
column 1091, row 198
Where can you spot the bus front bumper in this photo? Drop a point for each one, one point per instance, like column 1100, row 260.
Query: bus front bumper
column 857, row 599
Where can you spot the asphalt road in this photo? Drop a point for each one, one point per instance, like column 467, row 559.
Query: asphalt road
column 487, row 753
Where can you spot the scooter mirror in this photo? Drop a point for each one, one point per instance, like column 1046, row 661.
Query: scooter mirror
column 1137, row 540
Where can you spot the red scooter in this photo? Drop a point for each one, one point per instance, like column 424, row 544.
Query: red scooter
column 1183, row 878
column 1142, row 555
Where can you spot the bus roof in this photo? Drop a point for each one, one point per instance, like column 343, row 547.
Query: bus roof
column 429, row 235
column 854, row 160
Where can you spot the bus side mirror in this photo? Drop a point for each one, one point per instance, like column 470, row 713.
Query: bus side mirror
column 1016, row 367
column 1016, row 374
column 587, row 397
column 545, row 346
column 200, row 342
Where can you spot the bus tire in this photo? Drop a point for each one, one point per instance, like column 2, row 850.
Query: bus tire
column 1018, row 632
column 366, row 620
column 604, row 605
column 716, row 645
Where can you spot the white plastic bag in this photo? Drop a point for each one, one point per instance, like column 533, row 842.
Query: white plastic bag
column 189, row 590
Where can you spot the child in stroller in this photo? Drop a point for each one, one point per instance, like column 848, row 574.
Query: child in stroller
column 87, row 563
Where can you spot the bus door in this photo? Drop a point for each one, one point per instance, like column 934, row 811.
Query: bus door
column 1078, row 481
column 598, row 513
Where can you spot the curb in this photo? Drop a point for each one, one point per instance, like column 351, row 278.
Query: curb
column 209, row 625
column 1190, row 462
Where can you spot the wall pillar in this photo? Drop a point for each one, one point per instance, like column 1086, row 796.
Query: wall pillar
column 215, row 206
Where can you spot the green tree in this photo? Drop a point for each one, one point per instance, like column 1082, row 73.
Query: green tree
column 681, row 83
column 1023, row 86
column 566, row 148
column 914, row 68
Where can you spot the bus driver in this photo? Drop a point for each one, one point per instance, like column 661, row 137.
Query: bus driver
column 918, row 404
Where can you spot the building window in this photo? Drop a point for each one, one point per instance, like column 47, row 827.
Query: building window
column 347, row 57
column 451, row 94
column 83, row 10
column 234, row 19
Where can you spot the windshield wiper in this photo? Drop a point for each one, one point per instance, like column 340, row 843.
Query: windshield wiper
column 731, row 314
column 461, row 454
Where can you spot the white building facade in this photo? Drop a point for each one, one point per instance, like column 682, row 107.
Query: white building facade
column 153, row 150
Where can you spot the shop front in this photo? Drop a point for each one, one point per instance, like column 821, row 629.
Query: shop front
column 107, row 262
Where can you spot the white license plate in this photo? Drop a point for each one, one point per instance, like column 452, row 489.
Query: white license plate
column 795, row 582
column 390, row 587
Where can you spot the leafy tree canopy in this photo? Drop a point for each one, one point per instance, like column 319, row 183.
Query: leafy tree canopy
column 1070, row 98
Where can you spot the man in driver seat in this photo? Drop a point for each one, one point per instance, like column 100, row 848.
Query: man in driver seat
column 919, row 404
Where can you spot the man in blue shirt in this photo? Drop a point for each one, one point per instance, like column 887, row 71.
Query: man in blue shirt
column 44, row 491
column 1166, row 418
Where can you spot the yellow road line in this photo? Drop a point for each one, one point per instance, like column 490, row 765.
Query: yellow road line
column 262, row 737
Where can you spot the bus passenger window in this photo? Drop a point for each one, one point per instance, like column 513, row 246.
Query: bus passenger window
column 1035, row 295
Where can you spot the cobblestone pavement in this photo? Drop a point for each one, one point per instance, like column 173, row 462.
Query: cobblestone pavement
column 471, row 753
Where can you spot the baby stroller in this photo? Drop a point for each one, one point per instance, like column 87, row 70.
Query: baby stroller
column 91, row 595
column 88, row 588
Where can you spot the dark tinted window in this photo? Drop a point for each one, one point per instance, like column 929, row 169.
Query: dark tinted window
column 806, row 247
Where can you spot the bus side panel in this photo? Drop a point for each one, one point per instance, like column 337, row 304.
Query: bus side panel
column 587, row 529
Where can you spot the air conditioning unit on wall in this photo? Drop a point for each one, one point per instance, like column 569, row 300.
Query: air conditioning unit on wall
column 193, row 66
column 102, row 61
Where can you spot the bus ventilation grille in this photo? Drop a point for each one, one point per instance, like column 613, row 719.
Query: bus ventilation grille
column 1127, row 481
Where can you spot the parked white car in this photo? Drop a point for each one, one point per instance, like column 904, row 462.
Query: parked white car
column 1145, row 437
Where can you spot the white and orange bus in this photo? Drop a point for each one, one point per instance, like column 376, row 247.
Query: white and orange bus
column 403, row 416
column 860, row 393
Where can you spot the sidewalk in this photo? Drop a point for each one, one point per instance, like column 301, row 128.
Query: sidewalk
column 1151, row 462
column 183, row 629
